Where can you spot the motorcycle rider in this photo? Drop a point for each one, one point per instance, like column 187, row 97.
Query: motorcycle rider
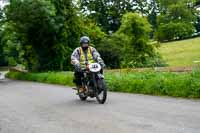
column 81, row 56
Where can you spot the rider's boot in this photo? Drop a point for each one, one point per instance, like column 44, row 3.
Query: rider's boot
column 81, row 90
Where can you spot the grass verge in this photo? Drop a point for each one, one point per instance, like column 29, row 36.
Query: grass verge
column 62, row 78
column 154, row 83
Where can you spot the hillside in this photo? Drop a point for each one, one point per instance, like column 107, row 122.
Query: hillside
column 181, row 53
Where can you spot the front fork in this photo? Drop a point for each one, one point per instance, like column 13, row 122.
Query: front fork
column 94, row 81
column 95, row 77
column 84, row 82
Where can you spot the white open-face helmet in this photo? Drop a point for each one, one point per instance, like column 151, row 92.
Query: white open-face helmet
column 85, row 40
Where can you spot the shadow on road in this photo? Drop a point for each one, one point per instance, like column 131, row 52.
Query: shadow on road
column 78, row 103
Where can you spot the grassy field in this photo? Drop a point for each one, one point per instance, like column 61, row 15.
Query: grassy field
column 153, row 83
column 181, row 53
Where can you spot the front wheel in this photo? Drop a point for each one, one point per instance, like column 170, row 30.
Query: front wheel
column 101, row 94
column 82, row 97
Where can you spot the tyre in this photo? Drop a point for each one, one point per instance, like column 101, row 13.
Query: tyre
column 82, row 97
column 101, row 94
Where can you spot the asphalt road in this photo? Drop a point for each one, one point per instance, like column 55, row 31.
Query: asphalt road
column 27, row 107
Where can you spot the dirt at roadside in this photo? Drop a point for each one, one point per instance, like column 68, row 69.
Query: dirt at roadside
column 157, row 69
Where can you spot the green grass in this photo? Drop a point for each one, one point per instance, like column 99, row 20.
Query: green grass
column 153, row 83
column 181, row 53
column 156, row 83
column 62, row 78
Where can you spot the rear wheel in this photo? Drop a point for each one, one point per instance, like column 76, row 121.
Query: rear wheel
column 101, row 94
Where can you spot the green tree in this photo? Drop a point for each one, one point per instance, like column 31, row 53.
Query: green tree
column 135, row 33
column 2, row 56
column 89, row 28
column 174, row 30
column 32, row 20
column 47, row 31
column 177, row 16
column 197, row 24
column 11, row 46
column 112, row 50
column 69, row 30
column 107, row 13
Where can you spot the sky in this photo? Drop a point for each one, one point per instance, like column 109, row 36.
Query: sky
column 2, row 3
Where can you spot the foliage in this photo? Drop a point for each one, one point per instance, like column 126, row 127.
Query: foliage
column 197, row 24
column 156, row 60
column 111, row 49
column 47, row 31
column 2, row 58
column 178, row 16
column 41, row 34
column 64, row 78
column 174, row 30
column 136, row 30
column 171, row 84
column 12, row 50
column 153, row 83
column 69, row 31
column 89, row 28
column 106, row 13
column 129, row 46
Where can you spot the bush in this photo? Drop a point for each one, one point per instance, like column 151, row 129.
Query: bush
column 155, row 61
column 174, row 30
column 111, row 50
column 137, row 51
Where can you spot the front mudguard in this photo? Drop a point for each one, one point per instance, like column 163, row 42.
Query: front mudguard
column 100, row 76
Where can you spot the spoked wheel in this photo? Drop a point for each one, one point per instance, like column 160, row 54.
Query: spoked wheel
column 101, row 91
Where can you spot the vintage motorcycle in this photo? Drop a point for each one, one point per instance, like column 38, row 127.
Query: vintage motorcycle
column 93, row 84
